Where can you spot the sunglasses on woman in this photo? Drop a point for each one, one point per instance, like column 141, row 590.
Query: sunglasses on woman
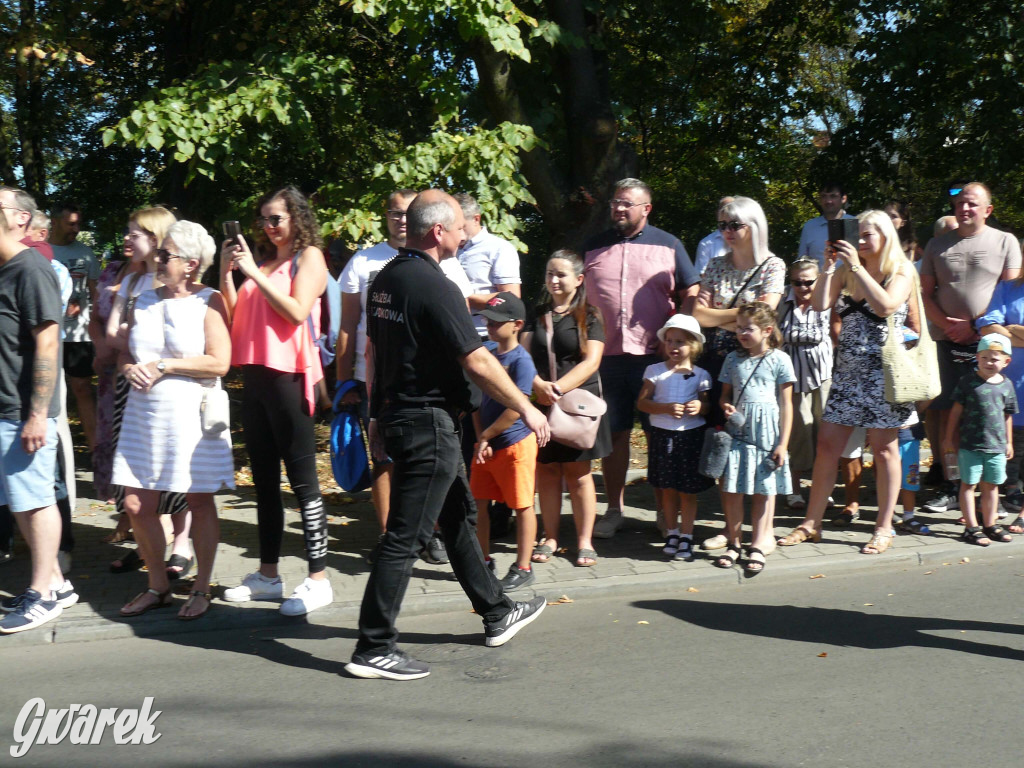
column 164, row 256
column 804, row 283
column 270, row 221
column 731, row 225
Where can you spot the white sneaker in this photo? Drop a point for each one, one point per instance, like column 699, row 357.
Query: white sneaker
column 255, row 586
column 307, row 597
column 609, row 523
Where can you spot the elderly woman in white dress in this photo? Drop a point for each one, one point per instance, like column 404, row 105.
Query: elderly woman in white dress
column 177, row 348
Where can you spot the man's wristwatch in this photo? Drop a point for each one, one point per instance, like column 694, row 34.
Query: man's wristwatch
column 161, row 366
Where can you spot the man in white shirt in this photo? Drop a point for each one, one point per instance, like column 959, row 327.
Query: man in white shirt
column 491, row 263
column 832, row 201
column 713, row 245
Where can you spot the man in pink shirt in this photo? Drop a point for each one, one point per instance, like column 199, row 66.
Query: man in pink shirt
column 638, row 276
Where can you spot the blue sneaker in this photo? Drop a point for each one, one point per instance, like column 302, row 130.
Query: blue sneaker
column 32, row 611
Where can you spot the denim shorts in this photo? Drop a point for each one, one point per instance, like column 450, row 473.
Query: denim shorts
column 622, row 376
column 26, row 479
column 976, row 466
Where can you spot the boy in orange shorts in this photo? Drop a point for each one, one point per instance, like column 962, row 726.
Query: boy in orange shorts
column 505, row 455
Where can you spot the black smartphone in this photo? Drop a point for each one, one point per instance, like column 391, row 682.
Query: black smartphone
column 232, row 231
column 844, row 229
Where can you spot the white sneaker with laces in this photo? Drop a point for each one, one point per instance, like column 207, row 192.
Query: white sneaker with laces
column 308, row 596
column 255, row 586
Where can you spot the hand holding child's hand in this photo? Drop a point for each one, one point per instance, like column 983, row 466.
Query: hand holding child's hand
column 547, row 393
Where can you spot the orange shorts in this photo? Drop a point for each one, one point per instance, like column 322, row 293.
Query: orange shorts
column 508, row 476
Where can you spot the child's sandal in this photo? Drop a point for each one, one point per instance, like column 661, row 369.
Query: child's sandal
column 997, row 533
column 975, row 535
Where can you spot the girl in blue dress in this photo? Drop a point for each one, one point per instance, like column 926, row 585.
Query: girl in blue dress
column 757, row 388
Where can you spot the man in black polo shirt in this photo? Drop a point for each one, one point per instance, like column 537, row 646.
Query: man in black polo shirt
column 422, row 339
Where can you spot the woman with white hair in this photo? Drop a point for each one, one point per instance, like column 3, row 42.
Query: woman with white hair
column 177, row 347
column 746, row 272
column 872, row 281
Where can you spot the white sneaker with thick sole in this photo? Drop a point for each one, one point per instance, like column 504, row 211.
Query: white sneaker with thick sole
column 255, row 586
column 609, row 523
column 308, row 596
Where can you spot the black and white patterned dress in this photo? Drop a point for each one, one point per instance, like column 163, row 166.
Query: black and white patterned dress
column 857, row 397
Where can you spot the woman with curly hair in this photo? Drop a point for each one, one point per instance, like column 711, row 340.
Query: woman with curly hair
column 275, row 316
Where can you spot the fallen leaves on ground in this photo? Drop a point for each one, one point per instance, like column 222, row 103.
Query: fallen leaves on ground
column 562, row 600
column 643, row 622
column 822, row 655
column 818, row 576
column 692, row 589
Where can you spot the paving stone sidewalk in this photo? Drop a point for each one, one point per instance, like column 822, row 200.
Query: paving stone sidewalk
column 629, row 563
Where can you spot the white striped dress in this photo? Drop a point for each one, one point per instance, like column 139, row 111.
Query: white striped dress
column 162, row 446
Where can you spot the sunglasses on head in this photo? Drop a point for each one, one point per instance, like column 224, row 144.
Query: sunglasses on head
column 731, row 225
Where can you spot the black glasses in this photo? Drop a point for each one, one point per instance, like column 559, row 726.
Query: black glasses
column 270, row 221
column 733, row 225
column 805, row 283
column 164, row 256
column 396, row 215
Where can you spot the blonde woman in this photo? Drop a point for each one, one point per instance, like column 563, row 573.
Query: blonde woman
column 864, row 284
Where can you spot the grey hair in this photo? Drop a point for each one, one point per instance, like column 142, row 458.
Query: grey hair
column 749, row 212
column 470, row 207
column 422, row 216
column 193, row 241
column 630, row 183
column 40, row 220
column 22, row 199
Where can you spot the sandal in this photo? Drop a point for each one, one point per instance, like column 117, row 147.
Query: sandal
column 845, row 518
column 975, row 535
column 191, row 599
column 753, row 567
column 131, row 561
column 685, row 551
column 799, row 535
column 913, row 525
column 162, row 599
column 118, row 535
column 586, row 558
column 1018, row 524
column 877, row 544
column 541, row 553
column 997, row 533
column 728, row 560
column 178, row 567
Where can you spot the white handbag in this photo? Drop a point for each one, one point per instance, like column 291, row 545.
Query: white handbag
column 215, row 409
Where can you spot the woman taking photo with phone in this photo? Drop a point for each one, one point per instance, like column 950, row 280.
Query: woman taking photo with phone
column 275, row 315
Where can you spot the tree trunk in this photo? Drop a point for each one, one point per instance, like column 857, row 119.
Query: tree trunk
column 28, row 97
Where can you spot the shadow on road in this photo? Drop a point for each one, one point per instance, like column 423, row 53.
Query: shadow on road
column 839, row 627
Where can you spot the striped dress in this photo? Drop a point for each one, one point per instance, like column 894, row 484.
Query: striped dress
column 162, row 446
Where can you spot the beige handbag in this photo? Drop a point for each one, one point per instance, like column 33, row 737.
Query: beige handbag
column 910, row 374
column 576, row 415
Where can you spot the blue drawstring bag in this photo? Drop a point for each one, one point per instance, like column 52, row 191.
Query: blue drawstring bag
column 348, row 451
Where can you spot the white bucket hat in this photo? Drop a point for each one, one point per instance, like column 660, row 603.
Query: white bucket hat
column 686, row 323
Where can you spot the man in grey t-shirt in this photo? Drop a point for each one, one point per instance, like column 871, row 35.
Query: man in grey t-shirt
column 959, row 273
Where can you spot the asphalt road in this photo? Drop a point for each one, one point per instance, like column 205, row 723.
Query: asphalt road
column 897, row 667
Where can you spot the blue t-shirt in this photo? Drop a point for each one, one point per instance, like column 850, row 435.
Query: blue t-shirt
column 1007, row 308
column 520, row 368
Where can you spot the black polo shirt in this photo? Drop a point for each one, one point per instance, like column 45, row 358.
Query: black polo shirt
column 420, row 327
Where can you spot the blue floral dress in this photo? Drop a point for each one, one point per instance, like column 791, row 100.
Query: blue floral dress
column 744, row 470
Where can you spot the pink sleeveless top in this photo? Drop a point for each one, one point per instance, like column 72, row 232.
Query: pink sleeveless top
column 260, row 336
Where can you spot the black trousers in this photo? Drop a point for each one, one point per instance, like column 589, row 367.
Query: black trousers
column 428, row 487
column 277, row 427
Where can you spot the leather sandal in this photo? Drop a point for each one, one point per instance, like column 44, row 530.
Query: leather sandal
column 207, row 596
column 877, row 544
column 753, row 567
column 728, row 559
column 975, row 535
column 997, row 533
column 799, row 535
column 1018, row 524
column 162, row 599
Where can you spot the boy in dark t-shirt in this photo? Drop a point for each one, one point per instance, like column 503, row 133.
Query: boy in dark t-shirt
column 505, row 455
column 984, row 402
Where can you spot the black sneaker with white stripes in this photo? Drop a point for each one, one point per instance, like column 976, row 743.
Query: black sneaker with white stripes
column 500, row 632
column 32, row 611
column 396, row 665
column 65, row 596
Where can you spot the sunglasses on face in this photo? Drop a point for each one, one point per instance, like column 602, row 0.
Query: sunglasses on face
column 733, row 226
column 270, row 221
column 805, row 283
column 164, row 256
